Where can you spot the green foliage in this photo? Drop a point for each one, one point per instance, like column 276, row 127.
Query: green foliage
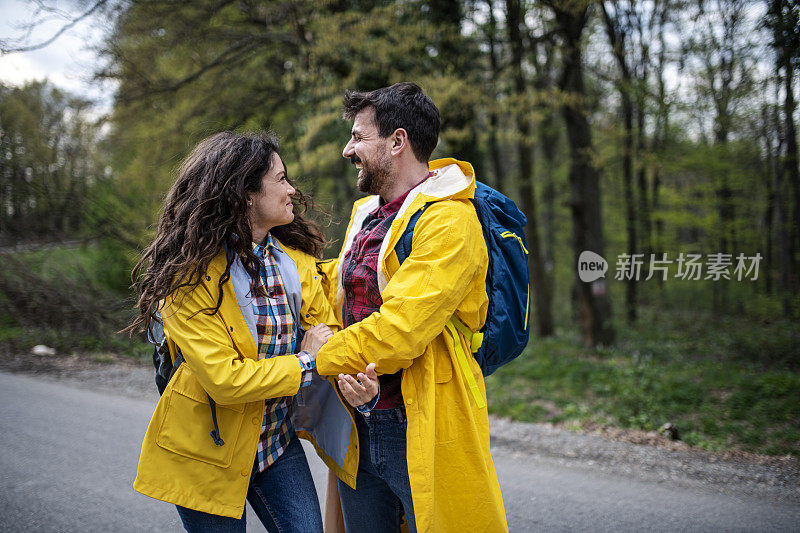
column 71, row 298
column 679, row 367
column 66, row 341
column 49, row 162
column 281, row 66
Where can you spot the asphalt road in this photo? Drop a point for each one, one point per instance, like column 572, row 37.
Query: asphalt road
column 69, row 457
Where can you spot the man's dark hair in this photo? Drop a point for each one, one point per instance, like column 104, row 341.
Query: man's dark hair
column 402, row 105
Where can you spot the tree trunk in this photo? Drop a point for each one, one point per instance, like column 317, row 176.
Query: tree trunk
column 722, row 70
column 725, row 209
column 644, row 31
column 549, row 146
column 541, row 287
column 616, row 36
column 644, row 205
column 783, row 238
column 772, row 156
column 548, row 139
column 660, row 138
column 792, row 171
column 783, row 20
column 587, row 229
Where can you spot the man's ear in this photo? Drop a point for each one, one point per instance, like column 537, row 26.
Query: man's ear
column 399, row 140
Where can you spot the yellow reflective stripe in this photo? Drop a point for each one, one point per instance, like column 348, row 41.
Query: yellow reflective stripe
column 507, row 234
column 461, row 356
column 527, row 304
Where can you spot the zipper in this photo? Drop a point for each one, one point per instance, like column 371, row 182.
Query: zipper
column 506, row 235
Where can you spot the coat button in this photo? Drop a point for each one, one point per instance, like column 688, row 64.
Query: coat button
column 208, row 278
column 255, row 420
column 409, row 401
column 245, row 471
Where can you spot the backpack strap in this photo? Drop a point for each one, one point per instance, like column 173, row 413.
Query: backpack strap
column 215, row 432
column 475, row 338
column 403, row 247
column 178, row 360
column 212, row 404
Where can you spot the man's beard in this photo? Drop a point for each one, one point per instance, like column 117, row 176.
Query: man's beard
column 375, row 175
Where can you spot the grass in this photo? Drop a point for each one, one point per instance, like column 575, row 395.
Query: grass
column 73, row 299
column 15, row 339
column 726, row 384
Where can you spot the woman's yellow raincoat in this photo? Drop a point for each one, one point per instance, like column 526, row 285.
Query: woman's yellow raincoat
column 453, row 481
column 179, row 462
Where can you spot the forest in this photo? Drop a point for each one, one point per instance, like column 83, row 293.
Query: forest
column 659, row 135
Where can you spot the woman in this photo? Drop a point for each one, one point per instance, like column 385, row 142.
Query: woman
column 232, row 274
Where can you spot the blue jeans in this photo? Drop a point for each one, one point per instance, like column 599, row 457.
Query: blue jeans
column 383, row 492
column 283, row 496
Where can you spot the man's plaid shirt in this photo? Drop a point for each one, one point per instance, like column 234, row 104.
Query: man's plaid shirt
column 275, row 328
column 362, row 297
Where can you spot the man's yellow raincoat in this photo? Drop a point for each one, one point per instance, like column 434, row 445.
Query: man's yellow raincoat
column 453, row 481
column 179, row 462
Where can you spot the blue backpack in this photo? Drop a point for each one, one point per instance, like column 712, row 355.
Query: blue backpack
column 505, row 333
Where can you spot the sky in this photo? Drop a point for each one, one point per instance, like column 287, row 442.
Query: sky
column 68, row 62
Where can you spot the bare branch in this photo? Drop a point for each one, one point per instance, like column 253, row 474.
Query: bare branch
column 4, row 50
column 226, row 58
column 43, row 7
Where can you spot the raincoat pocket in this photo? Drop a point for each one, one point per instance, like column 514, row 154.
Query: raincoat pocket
column 186, row 425
column 443, row 370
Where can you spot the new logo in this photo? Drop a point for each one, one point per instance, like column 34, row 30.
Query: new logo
column 591, row 266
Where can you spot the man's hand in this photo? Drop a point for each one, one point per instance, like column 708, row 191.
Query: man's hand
column 362, row 391
column 315, row 338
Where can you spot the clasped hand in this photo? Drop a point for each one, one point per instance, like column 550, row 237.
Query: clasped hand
column 356, row 390
column 361, row 389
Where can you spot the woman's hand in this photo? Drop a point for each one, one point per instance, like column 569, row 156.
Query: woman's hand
column 362, row 391
column 315, row 338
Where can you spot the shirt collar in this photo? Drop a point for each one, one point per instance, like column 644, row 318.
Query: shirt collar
column 385, row 209
column 269, row 243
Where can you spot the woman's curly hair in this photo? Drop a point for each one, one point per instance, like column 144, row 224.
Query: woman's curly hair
column 205, row 213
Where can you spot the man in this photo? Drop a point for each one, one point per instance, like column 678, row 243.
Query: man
column 424, row 447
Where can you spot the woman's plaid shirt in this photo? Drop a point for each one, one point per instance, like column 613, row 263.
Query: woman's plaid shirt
column 275, row 328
